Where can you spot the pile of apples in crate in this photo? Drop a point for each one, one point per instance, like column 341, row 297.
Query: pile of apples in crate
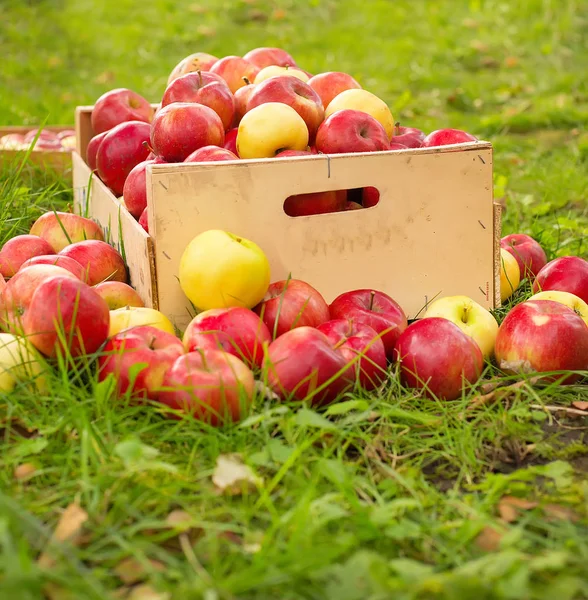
column 261, row 105
column 62, row 141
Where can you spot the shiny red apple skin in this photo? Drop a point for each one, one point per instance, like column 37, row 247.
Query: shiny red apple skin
column 144, row 220
column 17, row 250
column 292, row 303
column 539, row 336
column 302, row 360
column 135, row 189
column 314, row 203
column 408, row 136
column 361, row 346
column 118, row 106
column 213, row 386
column 199, row 61
column 374, row 308
column 236, row 330
column 182, row 127
column 443, row 137
column 268, row 56
column 351, row 131
column 566, row 274
column 370, row 196
column 435, row 352
column 211, row 154
column 66, row 310
column 118, row 294
column 233, row 69
column 288, row 153
column 242, row 96
column 92, row 149
column 62, row 228
column 145, row 345
column 99, row 260
column 121, row 149
column 528, row 253
column 231, row 141
column 330, row 84
column 65, row 262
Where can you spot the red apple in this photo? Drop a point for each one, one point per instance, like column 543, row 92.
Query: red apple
column 117, row 106
column 360, row 346
column 12, row 141
column 376, row 309
column 66, row 314
column 199, row 61
column 443, row 137
column 351, row 131
column 370, row 196
column 65, row 134
column 65, row 262
column 144, row 220
column 44, row 134
column 303, row 360
column 100, row 261
column 135, row 189
column 213, row 386
column 236, row 330
column 231, row 141
column 539, row 336
column 121, row 149
column 288, row 153
column 529, row 255
column 396, row 146
column 92, row 149
column 266, row 57
column 565, row 274
column 205, row 88
column 291, row 303
column 436, row 356
column 211, row 154
column 315, row 203
column 182, row 127
column 138, row 359
column 332, row 83
column 18, row 250
column 407, row 136
column 241, row 98
column 118, row 294
column 293, row 92
column 233, row 69
column 60, row 229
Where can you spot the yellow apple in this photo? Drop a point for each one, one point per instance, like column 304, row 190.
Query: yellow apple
column 134, row 316
column 472, row 318
column 574, row 302
column 275, row 71
column 510, row 274
column 219, row 269
column 357, row 99
column 20, row 362
column 270, row 128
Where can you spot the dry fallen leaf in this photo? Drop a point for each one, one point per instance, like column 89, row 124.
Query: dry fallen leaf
column 146, row 592
column 131, row 571
column 564, row 513
column 580, row 405
column 489, row 539
column 24, row 471
column 179, row 519
column 510, row 506
column 233, row 477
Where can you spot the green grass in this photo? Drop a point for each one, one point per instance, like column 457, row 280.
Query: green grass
column 381, row 496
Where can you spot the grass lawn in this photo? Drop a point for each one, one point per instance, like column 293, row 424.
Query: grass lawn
column 380, row 496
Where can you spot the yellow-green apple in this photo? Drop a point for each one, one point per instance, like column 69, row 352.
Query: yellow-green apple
column 66, row 317
column 122, row 148
column 266, row 57
column 18, row 250
column 235, row 330
column 12, row 141
column 291, row 303
column 528, row 253
column 20, row 365
column 211, row 154
column 571, row 300
column 99, row 260
column 332, row 83
column 65, row 262
column 60, row 229
column 436, row 356
column 360, row 99
column 566, row 274
column 472, row 318
column 315, row 203
column 182, row 127
column 350, row 130
column 118, row 294
column 361, row 346
column 144, row 220
column 219, row 269
column 241, row 98
column 510, row 274
column 205, row 88
column 407, row 136
column 135, row 316
column 138, row 360
column 302, row 365
column 213, row 386
column 374, row 308
column 275, row 70
column 117, row 106
column 539, row 336
column 444, row 137
column 231, row 141
column 199, row 61
column 293, row 92
column 234, row 70
column 92, row 149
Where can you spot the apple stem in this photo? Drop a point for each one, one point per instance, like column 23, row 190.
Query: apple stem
column 148, row 146
column 247, row 82
column 397, row 128
column 372, row 296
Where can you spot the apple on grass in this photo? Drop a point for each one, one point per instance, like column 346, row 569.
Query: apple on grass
column 214, row 387
column 570, row 300
column 472, row 318
column 117, row 106
column 268, row 56
column 510, row 274
column 135, row 316
column 100, row 261
column 17, row 250
column 219, row 269
column 444, row 137
column 528, row 253
column 564, row 274
column 21, row 365
column 199, row 61
column 234, row 70
column 211, row 154
column 236, row 330
column 289, row 304
column 60, row 229
column 118, row 294
column 407, row 136
column 351, row 131
column 276, row 71
column 540, row 336
column 92, row 149
column 67, row 263
column 138, row 360
column 375, row 309
column 332, row 83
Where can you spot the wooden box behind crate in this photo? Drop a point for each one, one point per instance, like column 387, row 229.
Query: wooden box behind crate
column 435, row 231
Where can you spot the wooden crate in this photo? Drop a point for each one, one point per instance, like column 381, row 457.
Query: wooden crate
column 435, row 231
column 59, row 162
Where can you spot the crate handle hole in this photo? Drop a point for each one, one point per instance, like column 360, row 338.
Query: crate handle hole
column 329, row 201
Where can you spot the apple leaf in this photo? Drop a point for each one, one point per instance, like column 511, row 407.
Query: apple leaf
column 137, row 456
